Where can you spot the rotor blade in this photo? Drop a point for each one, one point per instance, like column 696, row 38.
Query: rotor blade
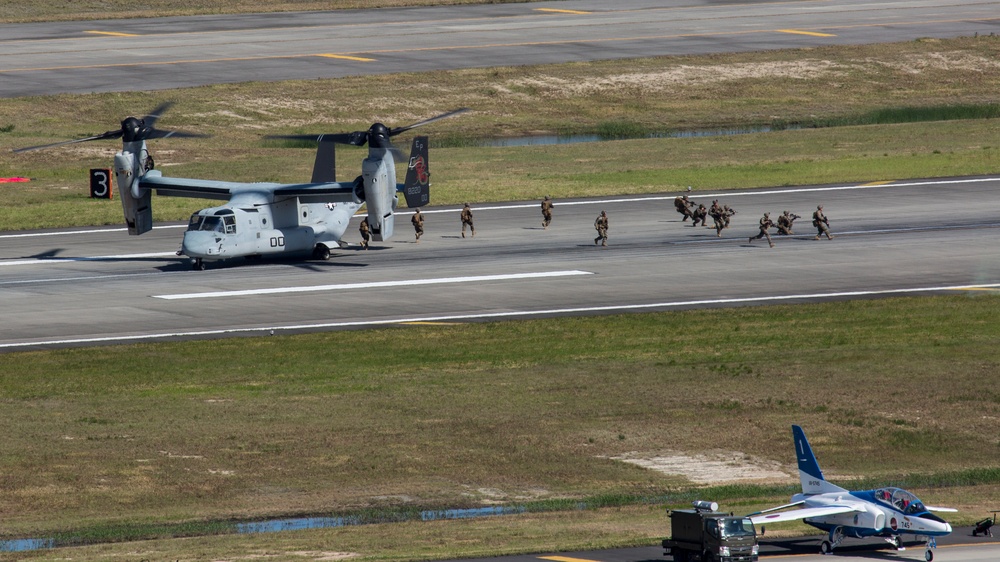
column 105, row 135
column 398, row 130
column 151, row 118
column 340, row 138
column 162, row 134
column 357, row 138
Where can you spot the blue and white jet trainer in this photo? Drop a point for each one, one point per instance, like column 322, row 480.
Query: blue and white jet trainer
column 886, row 512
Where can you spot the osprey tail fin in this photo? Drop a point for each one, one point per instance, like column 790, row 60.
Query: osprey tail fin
column 325, row 166
column 809, row 471
column 417, row 187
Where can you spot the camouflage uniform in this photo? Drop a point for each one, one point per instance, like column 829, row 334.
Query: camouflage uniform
column 765, row 223
column 715, row 211
column 546, row 211
column 821, row 223
column 683, row 207
column 418, row 224
column 727, row 212
column 467, row 220
column 365, row 233
column 785, row 223
column 699, row 214
column 601, row 225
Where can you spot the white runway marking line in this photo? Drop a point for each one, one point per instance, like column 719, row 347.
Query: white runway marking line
column 721, row 194
column 373, row 285
column 38, row 261
column 79, row 232
column 264, row 330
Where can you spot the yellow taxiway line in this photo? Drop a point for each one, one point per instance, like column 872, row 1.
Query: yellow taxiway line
column 113, row 33
column 565, row 559
column 812, row 33
column 557, row 11
column 876, row 183
column 347, row 57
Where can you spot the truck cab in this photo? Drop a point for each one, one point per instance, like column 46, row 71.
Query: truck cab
column 707, row 535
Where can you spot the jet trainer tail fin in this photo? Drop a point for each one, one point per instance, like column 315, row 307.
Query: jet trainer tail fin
column 417, row 187
column 809, row 472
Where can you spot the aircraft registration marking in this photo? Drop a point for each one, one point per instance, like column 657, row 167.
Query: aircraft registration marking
column 811, row 33
column 375, row 284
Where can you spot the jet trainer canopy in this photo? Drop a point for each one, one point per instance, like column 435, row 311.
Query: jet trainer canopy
column 902, row 500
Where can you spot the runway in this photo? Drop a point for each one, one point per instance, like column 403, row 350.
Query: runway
column 957, row 547
column 154, row 54
column 100, row 286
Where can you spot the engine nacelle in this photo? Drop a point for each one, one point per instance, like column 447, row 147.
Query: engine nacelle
column 874, row 518
column 379, row 177
column 136, row 202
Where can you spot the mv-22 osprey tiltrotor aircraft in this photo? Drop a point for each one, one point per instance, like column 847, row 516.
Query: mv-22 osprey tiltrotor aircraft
column 260, row 219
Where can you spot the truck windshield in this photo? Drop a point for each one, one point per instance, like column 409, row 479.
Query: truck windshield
column 736, row 527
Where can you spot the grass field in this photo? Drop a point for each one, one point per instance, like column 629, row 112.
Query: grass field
column 469, row 415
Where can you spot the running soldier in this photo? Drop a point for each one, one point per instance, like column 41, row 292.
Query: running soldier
column 601, row 226
column 683, row 206
column 785, row 223
column 546, row 212
column 418, row 224
column 765, row 223
column 821, row 223
column 467, row 220
column 715, row 211
column 365, row 231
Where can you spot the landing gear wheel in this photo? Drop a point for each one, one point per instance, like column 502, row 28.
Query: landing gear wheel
column 824, row 547
column 198, row 265
column 321, row 252
column 929, row 555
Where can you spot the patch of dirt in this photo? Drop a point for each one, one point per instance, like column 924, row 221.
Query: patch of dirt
column 950, row 61
column 710, row 468
column 683, row 75
column 308, row 554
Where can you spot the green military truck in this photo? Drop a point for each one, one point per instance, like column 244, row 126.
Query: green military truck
column 706, row 535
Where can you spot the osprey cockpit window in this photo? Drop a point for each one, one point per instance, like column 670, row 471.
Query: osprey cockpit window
column 211, row 224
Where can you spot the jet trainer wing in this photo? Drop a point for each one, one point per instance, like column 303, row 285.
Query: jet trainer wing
column 944, row 509
column 806, row 512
